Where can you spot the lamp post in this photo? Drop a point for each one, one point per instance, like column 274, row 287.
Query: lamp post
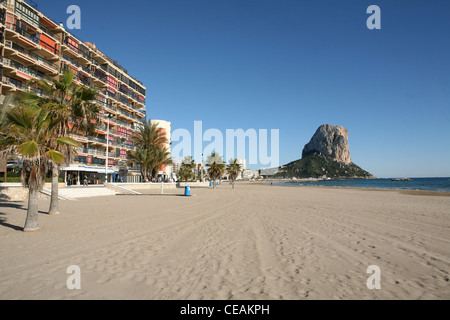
column 201, row 168
column 109, row 116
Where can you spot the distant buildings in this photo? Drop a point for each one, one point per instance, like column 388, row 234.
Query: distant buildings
column 248, row 174
column 243, row 163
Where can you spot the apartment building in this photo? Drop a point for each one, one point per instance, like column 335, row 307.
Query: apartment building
column 34, row 46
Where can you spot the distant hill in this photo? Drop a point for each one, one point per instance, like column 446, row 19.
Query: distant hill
column 320, row 166
column 326, row 155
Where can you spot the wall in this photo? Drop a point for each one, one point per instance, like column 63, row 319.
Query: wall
column 17, row 192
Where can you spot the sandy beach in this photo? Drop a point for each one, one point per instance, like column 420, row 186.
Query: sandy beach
column 253, row 242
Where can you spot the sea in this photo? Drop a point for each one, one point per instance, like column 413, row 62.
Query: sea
column 435, row 184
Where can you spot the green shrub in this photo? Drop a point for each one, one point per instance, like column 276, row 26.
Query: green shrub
column 50, row 179
column 13, row 174
column 17, row 179
column 10, row 179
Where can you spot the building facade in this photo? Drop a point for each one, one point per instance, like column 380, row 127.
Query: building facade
column 34, row 46
column 165, row 172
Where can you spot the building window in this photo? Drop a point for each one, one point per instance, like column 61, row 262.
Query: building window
column 27, row 14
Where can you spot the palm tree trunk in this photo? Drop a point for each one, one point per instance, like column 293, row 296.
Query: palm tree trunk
column 232, row 183
column 31, row 223
column 54, row 199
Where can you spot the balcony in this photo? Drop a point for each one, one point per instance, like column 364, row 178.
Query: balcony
column 125, row 124
column 100, row 57
column 49, row 33
column 104, row 117
column 79, row 138
column 99, row 78
column 71, row 61
column 69, row 48
column 14, row 68
column 96, row 140
column 96, row 152
column 124, row 114
column 108, row 107
column 90, row 161
column 30, row 41
column 25, row 56
column 45, row 78
column 112, row 96
column 47, row 50
column 46, row 66
column 13, row 84
column 125, row 145
column 83, row 57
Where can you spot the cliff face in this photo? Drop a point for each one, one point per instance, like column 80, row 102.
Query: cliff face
column 330, row 141
column 326, row 155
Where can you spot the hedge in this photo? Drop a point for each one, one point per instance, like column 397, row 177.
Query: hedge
column 17, row 179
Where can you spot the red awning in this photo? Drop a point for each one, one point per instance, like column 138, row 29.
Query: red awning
column 111, row 90
column 23, row 75
column 49, row 22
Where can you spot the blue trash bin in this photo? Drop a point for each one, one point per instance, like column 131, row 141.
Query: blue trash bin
column 187, row 191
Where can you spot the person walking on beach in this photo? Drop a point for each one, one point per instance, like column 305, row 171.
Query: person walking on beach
column 85, row 182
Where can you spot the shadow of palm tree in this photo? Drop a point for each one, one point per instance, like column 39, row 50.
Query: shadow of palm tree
column 18, row 206
column 11, row 205
column 3, row 219
column 8, row 225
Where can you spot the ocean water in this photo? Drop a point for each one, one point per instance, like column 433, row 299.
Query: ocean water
column 437, row 184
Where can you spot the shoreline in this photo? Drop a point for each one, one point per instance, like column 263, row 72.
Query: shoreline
column 399, row 190
column 403, row 191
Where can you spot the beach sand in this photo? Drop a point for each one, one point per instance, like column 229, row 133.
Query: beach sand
column 254, row 242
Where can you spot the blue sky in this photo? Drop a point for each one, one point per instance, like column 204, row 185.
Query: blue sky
column 290, row 65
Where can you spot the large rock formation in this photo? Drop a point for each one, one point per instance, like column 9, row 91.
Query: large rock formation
column 326, row 155
column 330, row 141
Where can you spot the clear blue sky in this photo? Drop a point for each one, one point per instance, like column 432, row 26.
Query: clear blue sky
column 290, row 65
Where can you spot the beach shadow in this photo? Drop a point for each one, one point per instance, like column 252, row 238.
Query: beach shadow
column 155, row 194
column 18, row 206
column 8, row 225
column 15, row 206
column 11, row 205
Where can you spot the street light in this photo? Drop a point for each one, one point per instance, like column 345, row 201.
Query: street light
column 109, row 116
column 201, row 168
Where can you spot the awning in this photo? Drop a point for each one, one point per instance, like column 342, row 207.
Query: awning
column 49, row 22
column 88, row 169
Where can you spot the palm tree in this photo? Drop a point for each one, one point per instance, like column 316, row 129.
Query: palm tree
column 233, row 169
column 142, row 158
column 28, row 132
column 159, row 156
column 150, row 153
column 149, row 135
column 75, row 111
column 185, row 172
column 216, row 167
